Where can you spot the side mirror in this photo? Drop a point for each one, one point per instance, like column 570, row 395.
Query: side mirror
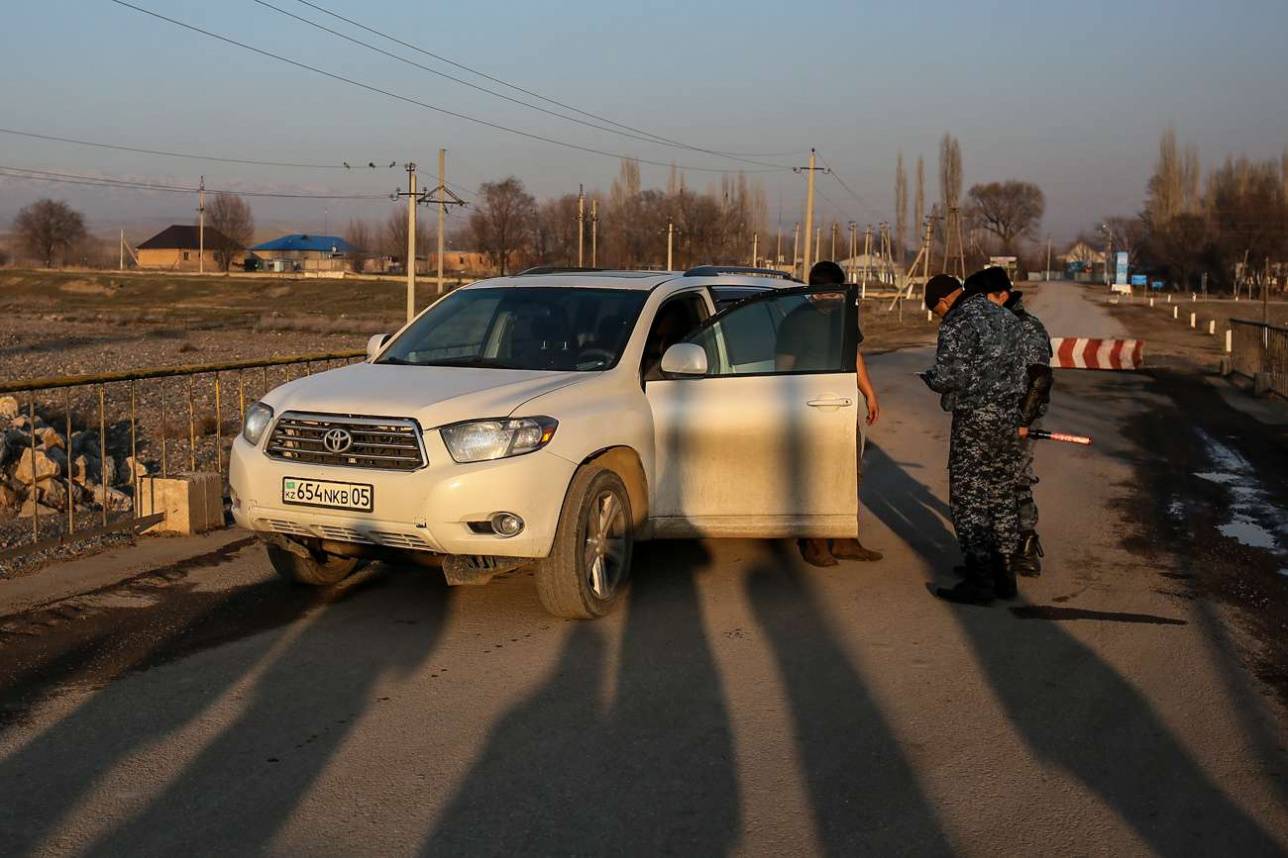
column 685, row 359
column 375, row 344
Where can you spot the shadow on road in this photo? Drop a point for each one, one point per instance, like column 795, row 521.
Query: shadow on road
column 865, row 796
column 1074, row 710
column 632, row 754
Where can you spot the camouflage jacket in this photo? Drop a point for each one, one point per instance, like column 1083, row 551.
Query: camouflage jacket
column 1035, row 343
column 978, row 363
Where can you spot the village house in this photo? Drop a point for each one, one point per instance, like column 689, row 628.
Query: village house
column 178, row 248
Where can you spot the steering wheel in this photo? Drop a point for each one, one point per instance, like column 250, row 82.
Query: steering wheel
column 603, row 355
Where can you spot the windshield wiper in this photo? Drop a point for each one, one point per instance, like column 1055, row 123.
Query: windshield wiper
column 470, row 361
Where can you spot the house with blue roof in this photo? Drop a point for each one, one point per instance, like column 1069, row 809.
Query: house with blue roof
column 307, row 252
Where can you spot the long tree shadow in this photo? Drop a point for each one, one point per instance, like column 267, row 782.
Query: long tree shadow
column 648, row 771
column 1076, row 712
column 865, row 796
column 243, row 786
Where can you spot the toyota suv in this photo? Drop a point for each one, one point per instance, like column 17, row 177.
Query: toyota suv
column 554, row 419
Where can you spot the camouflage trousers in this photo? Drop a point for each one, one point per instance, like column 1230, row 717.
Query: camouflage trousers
column 1027, row 478
column 983, row 463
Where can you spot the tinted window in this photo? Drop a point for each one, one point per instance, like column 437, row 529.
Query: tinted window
column 724, row 296
column 780, row 334
column 534, row 328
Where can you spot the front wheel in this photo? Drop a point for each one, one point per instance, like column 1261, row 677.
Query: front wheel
column 310, row 570
column 589, row 566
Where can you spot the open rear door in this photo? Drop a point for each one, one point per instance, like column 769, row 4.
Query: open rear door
column 763, row 445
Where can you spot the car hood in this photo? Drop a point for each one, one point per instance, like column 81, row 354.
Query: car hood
column 432, row 395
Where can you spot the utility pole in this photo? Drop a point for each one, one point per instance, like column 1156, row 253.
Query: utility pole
column 670, row 243
column 835, row 227
column 755, row 248
column 201, row 226
column 778, row 252
column 581, row 229
column 594, row 233
column 809, row 209
column 120, row 266
column 1047, row 275
column 796, row 244
column 867, row 254
column 411, row 241
column 818, row 246
column 853, row 246
column 442, row 216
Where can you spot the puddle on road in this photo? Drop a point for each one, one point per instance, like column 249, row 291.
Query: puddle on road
column 1249, row 521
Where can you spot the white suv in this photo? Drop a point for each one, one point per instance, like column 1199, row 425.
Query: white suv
column 555, row 419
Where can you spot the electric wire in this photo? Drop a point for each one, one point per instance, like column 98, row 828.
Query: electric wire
column 164, row 153
column 528, row 92
column 425, row 105
column 599, row 127
column 140, row 185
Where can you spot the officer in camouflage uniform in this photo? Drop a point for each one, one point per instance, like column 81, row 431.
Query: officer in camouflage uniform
column 979, row 373
column 1035, row 350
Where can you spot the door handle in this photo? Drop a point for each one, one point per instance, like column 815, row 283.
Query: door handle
column 832, row 402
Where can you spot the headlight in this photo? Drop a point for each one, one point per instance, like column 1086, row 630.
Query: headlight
column 484, row 440
column 258, row 416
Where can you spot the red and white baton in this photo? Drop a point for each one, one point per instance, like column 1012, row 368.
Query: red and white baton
column 1043, row 435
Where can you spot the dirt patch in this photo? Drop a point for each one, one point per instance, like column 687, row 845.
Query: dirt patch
column 87, row 287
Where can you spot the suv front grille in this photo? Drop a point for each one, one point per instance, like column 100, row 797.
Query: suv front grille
column 383, row 443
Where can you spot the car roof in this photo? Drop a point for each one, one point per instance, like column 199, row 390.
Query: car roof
column 645, row 281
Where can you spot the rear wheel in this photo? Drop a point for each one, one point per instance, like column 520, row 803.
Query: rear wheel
column 589, row 566
column 310, row 570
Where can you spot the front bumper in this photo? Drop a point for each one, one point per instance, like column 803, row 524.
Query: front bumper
column 424, row 510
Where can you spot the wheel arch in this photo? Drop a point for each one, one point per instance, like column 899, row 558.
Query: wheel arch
column 625, row 462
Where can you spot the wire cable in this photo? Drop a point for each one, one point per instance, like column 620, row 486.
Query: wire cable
column 599, row 127
column 162, row 152
column 140, row 185
column 419, row 103
column 853, row 193
column 528, row 92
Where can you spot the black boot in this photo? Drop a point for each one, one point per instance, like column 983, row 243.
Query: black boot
column 975, row 589
column 1004, row 569
column 1028, row 562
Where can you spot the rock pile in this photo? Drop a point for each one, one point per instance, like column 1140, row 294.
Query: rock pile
column 57, row 472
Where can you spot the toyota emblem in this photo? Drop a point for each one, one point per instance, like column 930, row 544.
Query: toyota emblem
column 337, row 440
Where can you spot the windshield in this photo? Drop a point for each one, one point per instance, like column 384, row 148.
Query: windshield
column 572, row 330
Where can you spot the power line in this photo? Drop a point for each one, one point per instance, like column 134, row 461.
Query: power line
column 121, row 148
column 646, row 138
column 139, row 185
column 853, row 193
column 537, row 95
column 417, row 102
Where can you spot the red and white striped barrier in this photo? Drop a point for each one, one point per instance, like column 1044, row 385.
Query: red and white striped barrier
column 1086, row 353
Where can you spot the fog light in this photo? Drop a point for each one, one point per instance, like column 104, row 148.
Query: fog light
column 507, row 524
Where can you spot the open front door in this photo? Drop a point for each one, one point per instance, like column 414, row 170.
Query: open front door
column 763, row 444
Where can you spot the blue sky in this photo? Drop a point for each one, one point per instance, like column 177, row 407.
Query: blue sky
column 1072, row 96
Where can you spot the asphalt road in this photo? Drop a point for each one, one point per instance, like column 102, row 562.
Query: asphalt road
column 740, row 703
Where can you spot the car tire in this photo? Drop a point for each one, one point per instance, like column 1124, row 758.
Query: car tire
column 588, row 570
column 295, row 569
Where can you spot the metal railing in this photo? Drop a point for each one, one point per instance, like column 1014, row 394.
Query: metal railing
column 169, row 420
column 1257, row 348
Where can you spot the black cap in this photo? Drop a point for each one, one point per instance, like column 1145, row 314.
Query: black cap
column 939, row 288
column 987, row 281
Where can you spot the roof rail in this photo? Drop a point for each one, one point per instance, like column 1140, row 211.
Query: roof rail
column 717, row 270
column 555, row 269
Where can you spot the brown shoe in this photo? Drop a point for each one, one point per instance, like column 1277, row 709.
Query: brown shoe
column 852, row 549
column 816, row 553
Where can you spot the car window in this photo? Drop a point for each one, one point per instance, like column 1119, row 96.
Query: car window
column 727, row 296
column 676, row 319
column 536, row 328
column 795, row 332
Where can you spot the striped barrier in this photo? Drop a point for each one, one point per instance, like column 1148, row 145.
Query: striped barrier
column 1087, row 353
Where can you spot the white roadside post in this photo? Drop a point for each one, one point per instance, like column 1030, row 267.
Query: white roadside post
column 1229, row 337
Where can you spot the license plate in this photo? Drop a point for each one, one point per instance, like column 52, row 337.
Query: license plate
column 326, row 493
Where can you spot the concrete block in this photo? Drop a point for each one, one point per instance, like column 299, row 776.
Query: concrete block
column 192, row 503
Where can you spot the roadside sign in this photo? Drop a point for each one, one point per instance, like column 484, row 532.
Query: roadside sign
column 1139, row 280
column 1157, row 285
column 1120, row 269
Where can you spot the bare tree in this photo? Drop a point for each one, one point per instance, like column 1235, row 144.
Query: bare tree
column 502, row 220
column 950, row 172
column 1248, row 212
column 1166, row 194
column 900, row 211
column 233, row 227
column 554, row 236
column 48, row 228
column 359, row 234
column 919, row 217
column 1010, row 210
column 393, row 234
